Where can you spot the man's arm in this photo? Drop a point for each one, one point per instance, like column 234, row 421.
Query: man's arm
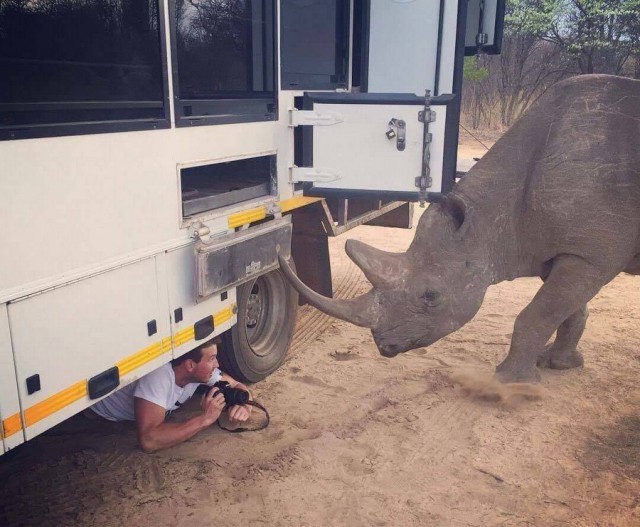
column 154, row 433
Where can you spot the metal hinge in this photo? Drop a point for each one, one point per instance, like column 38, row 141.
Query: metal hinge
column 311, row 118
column 432, row 116
column 314, row 175
column 481, row 39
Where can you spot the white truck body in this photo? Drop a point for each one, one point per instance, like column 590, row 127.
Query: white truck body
column 96, row 254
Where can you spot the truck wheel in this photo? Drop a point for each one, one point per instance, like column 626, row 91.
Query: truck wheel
column 259, row 342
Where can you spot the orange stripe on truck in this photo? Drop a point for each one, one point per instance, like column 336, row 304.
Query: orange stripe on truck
column 77, row 391
column 54, row 403
column 11, row 425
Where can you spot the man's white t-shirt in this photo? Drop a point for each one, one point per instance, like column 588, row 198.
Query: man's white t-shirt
column 158, row 387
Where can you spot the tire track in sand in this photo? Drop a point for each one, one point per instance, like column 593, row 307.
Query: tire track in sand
column 312, row 323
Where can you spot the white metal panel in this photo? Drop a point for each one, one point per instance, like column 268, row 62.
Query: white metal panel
column 9, row 402
column 403, row 46
column 72, row 333
column 85, row 200
column 285, row 142
column 366, row 159
column 448, row 49
column 181, row 271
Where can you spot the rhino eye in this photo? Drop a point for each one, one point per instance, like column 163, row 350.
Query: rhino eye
column 431, row 298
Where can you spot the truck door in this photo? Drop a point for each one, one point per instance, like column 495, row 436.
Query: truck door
column 379, row 145
column 485, row 20
column 11, row 432
column 394, row 134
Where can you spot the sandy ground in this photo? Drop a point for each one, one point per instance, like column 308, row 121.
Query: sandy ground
column 357, row 439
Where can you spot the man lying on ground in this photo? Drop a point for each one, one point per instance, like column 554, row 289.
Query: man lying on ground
column 150, row 399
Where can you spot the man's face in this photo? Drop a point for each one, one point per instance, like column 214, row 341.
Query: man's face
column 202, row 370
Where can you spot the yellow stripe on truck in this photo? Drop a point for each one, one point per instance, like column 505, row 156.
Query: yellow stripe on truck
column 11, row 425
column 64, row 398
column 245, row 217
column 187, row 334
column 142, row 357
column 184, row 336
column 296, row 202
column 54, row 403
column 223, row 316
column 260, row 213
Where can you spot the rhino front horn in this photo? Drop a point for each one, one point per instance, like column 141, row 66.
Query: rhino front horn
column 381, row 268
column 358, row 311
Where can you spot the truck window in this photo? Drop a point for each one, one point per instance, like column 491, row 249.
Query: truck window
column 223, row 61
column 214, row 185
column 71, row 66
column 314, row 44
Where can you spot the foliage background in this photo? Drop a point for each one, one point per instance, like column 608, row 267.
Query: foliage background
column 544, row 42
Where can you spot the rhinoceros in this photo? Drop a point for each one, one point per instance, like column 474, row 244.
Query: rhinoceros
column 558, row 196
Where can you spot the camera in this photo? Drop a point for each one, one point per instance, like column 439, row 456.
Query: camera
column 232, row 396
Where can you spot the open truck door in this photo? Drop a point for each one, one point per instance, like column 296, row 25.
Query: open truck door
column 387, row 145
column 394, row 135
column 485, row 22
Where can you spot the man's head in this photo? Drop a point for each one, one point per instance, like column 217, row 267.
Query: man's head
column 198, row 364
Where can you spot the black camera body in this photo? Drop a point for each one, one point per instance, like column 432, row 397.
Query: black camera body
column 232, row 396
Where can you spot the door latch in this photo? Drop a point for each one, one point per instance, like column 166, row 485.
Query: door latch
column 398, row 130
column 426, row 116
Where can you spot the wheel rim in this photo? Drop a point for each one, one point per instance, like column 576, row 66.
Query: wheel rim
column 265, row 312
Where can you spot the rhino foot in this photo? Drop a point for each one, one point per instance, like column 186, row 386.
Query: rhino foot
column 560, row 359
column 508, row 374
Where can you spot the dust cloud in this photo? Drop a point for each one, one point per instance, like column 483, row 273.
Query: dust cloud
column 484, row 386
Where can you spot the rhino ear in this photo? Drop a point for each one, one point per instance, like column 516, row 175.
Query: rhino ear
column 458, row 210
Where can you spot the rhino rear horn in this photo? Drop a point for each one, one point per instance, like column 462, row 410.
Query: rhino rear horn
column 381, row 268
column 360, row 311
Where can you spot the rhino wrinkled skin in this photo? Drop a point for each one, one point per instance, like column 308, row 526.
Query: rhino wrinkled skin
column 558, row 196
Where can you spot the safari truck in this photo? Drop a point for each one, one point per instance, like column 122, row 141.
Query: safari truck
column 157, row 155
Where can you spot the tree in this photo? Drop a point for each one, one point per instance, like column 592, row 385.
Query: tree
column 477, row 97
column 528, row 65
column 598, row 35
column 548, row 40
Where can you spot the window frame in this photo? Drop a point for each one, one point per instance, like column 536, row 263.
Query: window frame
column 33, row 131
column 231, row 110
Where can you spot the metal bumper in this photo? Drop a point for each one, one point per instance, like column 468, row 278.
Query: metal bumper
column 236, row 258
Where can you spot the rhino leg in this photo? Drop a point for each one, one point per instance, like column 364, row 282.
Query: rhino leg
column 562, row 354
column 571, row 283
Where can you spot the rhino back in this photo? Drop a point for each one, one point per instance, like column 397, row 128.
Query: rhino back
column 567, row 174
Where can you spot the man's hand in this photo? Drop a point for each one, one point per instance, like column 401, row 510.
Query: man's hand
column 239, row 414
column 212, row 405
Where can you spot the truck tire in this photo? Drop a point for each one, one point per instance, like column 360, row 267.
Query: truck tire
column 258, row 343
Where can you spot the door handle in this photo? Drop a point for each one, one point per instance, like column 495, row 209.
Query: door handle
column 398, row 129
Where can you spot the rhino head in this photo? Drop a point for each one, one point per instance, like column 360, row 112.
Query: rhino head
column 421, row 295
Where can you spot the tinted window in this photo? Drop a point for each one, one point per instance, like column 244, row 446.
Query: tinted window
column 314, row 44
column 79, row 61
column 224, row 59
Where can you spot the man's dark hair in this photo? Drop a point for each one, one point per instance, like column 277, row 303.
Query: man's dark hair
column 196, row 353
